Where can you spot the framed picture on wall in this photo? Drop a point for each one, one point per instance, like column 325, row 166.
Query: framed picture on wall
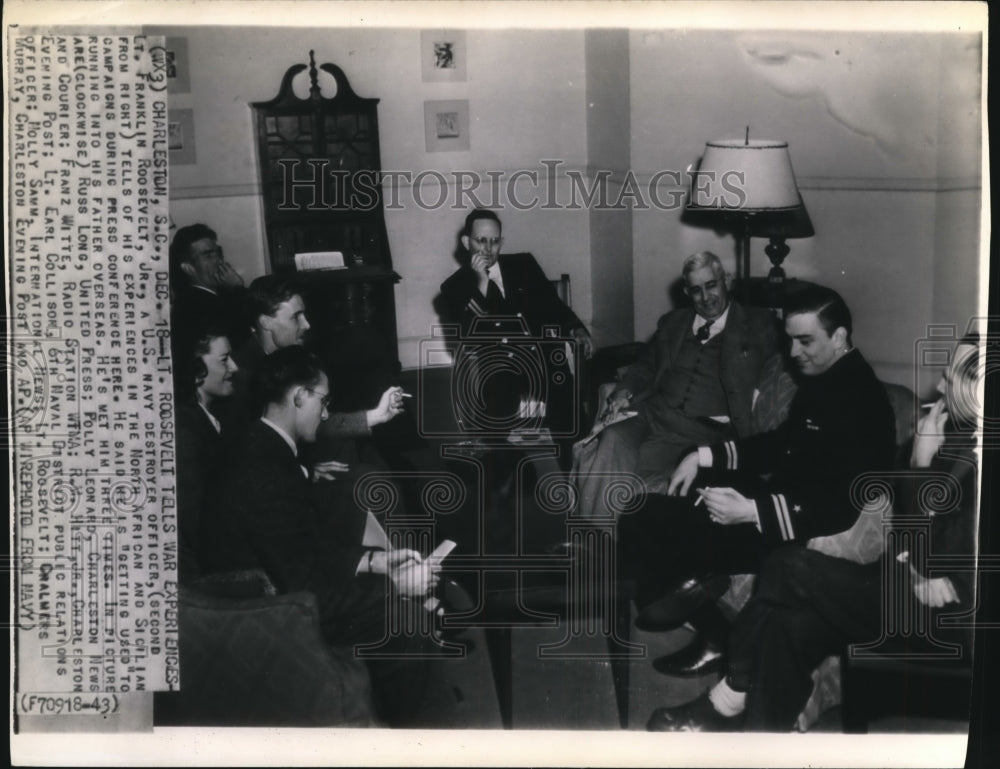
column 446, row 125
column 178, row 70
column 180, row 137
column 442, row 56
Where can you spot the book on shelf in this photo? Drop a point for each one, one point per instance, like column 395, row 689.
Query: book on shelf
column 320, row 260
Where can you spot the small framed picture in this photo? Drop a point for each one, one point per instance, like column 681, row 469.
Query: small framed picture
column 178, row 71
column 446, row 125
column 442, row 56
column 180, row 137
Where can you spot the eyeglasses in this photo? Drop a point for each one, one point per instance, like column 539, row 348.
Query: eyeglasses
column 325, row 397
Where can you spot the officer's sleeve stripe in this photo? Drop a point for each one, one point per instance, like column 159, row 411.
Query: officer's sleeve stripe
column 730, row 455
column 784, row 519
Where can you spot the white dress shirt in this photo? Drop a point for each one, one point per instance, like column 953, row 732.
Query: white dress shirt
column 494, row 274
column 717, row 325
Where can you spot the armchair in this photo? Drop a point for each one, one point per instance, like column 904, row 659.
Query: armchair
column 249, row 657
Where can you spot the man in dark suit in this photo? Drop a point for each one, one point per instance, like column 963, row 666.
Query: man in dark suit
column 268, row 516
column 497, row 299
column 694, row 385
column 207, row 290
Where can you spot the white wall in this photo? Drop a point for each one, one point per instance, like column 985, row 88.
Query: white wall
column 609, row 148
column 883, row 131
column 526, row 95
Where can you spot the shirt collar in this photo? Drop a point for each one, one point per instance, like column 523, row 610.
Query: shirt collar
column 717, row 325
column 285, row 436
column 494, row 274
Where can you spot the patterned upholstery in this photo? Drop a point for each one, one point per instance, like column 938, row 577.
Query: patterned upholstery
column 863, row 542
column 774, row 396
column 262, row 662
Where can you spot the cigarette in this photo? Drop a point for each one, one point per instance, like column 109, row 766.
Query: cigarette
column 405, row 395
column 699, row 500
column 929, row 405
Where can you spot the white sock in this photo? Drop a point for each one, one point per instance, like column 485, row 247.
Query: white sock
column 727, row 700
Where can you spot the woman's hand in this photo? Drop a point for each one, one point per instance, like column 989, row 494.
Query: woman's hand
column 929, row 435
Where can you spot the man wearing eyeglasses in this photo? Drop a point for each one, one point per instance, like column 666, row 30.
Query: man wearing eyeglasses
column 694, row 385
column 268, row 515
column 207, row 290
column 514, row 286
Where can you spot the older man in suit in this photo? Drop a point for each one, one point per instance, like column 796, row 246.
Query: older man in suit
column 694, row 385
column 494, row 286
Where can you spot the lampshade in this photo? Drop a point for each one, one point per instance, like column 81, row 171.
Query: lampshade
column 748, row 187
column 747, row 176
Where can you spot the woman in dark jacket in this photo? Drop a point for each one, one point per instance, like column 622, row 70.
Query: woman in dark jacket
column 203, row 374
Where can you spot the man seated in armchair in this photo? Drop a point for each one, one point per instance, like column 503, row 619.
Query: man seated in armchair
column 513, row 286
column 266, row 515
column 694, row 385
column 758, row 494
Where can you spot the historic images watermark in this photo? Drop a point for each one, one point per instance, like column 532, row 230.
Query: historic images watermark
column 313, row 185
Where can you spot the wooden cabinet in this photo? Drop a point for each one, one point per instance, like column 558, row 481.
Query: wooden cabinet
column 319, row 166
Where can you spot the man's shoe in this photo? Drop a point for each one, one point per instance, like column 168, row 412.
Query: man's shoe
column 698, row 658
column 696, row 716
column 677, row 606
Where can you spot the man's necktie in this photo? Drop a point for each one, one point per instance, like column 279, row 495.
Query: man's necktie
column 493, row 296
column 702, row 333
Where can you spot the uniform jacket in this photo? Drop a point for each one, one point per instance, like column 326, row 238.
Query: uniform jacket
column 840, row 425
column 749, row 339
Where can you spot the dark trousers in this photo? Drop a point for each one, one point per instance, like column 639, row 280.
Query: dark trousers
column 807, row 606
column 670, row 539
column 398, row 675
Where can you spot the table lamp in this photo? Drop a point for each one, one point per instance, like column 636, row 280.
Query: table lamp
column 747, row 186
